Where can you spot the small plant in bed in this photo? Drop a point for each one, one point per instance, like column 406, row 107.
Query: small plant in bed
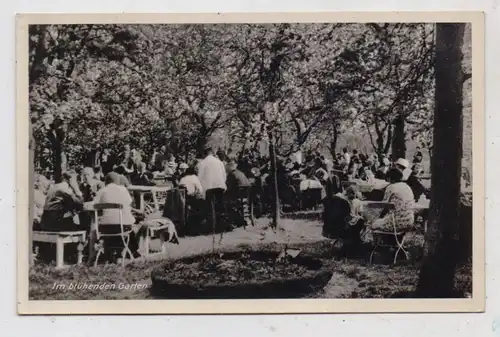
column 243, row 274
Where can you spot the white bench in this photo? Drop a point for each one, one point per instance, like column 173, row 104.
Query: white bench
column 60, row 239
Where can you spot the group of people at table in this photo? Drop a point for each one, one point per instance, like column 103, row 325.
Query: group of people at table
column 213, row 186
column 391, row 183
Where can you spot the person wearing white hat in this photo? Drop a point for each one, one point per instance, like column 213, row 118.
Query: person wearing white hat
column 181, row 171
column 404, row 166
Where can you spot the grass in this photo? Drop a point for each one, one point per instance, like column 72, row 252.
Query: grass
column 353, row 278
column 48, row 283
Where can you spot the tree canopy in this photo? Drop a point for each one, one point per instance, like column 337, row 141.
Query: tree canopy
column 233, row 84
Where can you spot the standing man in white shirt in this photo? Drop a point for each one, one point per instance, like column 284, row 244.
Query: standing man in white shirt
column 346, row 158
column 212, row 175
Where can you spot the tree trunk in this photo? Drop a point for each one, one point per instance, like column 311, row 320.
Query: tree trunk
column 57, row 160
column 398, row 139
column 39, row 53
column 333, row 142
column 440, row 251
column 56, row 137
column 275, row 190
column 201, row 142
column 389, row 139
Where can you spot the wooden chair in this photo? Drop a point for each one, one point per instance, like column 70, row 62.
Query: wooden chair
column 159, row 198
column 161, row 228
column 387, row 239
column 101, row 237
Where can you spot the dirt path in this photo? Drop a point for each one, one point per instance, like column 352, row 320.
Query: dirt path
column 292, row 232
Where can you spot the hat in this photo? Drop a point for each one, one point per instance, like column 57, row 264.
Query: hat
column 403, row 162
column 183, row 166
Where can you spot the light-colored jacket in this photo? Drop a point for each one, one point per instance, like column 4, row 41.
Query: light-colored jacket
column 212, row 173
column 115, row 194
column 193, row 185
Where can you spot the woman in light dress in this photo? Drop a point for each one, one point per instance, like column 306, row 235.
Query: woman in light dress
column 401, row 195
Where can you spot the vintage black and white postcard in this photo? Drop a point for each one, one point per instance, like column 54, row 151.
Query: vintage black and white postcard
column 250, row 163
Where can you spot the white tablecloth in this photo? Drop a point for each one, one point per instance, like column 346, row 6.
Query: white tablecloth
column 368, row 186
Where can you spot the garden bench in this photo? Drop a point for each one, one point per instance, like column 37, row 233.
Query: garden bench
column 60, row 239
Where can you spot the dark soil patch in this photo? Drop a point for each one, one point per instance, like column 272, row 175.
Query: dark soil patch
column 247, row 274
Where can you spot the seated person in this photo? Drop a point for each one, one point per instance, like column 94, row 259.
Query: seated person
column 418, row 156
column 353, row 168
column 63, row 201
column 415, row 184
column 42, row 185
column 343, row 216
column 181, row 171
column 310, row 183
column 365, row 173
column 312, row 191
column 178, row 174
column 321, row 174
column 238, row 189
column 383, row 169
column 235, row 178
column 116, row 193
column 192, row 184
column 98, row 173
column 401, row 195
column 90, row 185
column 170, row 166
column 122, row 172
column 141, row 177
column 404, row 166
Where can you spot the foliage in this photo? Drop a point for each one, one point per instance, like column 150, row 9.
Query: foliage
column 401, row 88
column 232, row 85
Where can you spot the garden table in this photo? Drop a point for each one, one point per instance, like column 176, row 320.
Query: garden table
column 149, row 189
column 368, row 186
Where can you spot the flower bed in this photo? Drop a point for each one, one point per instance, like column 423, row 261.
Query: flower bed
column 243, row 274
